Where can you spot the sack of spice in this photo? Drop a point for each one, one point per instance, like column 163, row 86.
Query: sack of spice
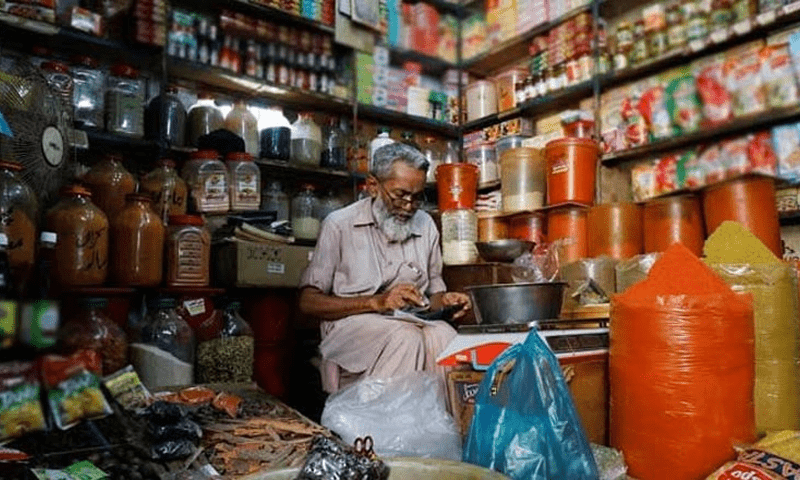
column 775, row 457
column 743, row 261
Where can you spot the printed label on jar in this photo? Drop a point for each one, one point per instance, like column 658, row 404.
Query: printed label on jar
column 87, row 251
column 559, row 166
column 190, row 256
column 195, row 307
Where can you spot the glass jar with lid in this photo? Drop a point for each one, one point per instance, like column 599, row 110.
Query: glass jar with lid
column 110, row 182
column 721, row 15
column 89, row 81
column 624, row 46
column 245, row 182
column 137, row 244
column 207, row 179
column 226, row 355
column 433, row 157
column 334, row 153
column 60, row 81
column 639, row 52
column 329, row 203
column 81, row 257
column 676, row 29
column 306, row 140
column 243, row 123
column 459, row 234
column 18, row 217
column 305, row 208
column 167, row 190
column 91, row 329
column 697, row 21
column 203, row 118
column 274, row 200
column 276, row 138
column 125, row 102
column 165, row 118
column 188, row 252
column 164, row 354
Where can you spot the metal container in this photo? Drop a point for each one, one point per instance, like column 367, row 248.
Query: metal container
column 407, row 469
column 517, row 302
column 503, row 250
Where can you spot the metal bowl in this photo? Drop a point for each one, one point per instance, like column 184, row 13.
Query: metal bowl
column 517, row 302
column 503, row 250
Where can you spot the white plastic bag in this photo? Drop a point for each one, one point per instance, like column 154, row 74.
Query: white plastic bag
column 405, row 416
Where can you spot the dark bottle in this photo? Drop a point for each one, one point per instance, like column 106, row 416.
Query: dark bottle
column 40, row 316
column 5, row 268
column 334, row 153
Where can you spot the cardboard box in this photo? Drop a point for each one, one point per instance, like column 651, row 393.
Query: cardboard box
column 250, row 264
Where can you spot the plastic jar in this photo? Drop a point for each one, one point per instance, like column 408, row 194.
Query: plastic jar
column 82, row 248
column 329, row 204
column 485, row 158
column 245, row 182
column 380, row 140
column 110, row 182
column 492, row 226
column 481, row 99
column 137, row 244
column 457, row 185
column 243, row 123
column 615, row 230
column 579, row 128
column 305, row 207
column 125, row 102
column 748, row 200
column 459, row 234
column 89, row 83
column 274, row 200
column 505, row 85
column 569, row 225
column 60, row 81
column 165, row 118
column 227, row 355
column 306, row 140
column 164, row 356
column 167, row 190
column 276, row 139
column 571, row 170
column 674, row 219
column 523, row 183
column 18, row 218
column 528, row 226
column 188, row 252
column 91, row 329
column 203, row 118
column 506, row 143
column 207, row 179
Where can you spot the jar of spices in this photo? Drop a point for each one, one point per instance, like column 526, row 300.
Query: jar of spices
column 305, row 206
column 697, row 28
column 137, row 244
column 639, row 52
column 276, row 138
column 18, row 217
column 87, row 95
column 110, row 182
column 721, row 15
column 164, row 356
column 203, row 118
column 125, row 102
column 165, row 118
column 306, row 140
column 624, row 46
column 245, row 182
column 243, row 123
column 188, row 252
column 91, row 329
column 657, row 36
column 227, row 355
column 274, row 200
column 167, row 190
column 60, row 81
column 207, row 179
column 676, row 29
column 82, row 248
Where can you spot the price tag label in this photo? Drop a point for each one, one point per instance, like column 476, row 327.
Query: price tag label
column 195, row 307
column 766, row 18
column 276, row 268
column 742, row 27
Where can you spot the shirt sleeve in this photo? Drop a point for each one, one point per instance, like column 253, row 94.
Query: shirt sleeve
column 327, row 256
column 436, row 282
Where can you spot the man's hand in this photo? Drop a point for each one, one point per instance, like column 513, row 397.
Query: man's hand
column 457, row 298
column 398, row 297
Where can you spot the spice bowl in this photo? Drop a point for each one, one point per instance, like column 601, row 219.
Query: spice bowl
column 505, row 250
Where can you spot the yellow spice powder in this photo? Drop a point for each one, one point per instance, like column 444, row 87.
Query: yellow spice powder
column 731, row 242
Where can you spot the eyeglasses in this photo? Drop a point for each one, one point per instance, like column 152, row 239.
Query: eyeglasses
column 400, row 201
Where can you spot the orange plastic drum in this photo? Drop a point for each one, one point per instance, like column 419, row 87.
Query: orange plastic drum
column 749, row 201
column 492, row 226
column 457, row 185
column 571, row 170
column 674, row 219
column 568, row 224
column 528, row 226
column 615, row 230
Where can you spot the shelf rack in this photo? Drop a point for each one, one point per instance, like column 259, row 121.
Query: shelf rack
column 392, row 118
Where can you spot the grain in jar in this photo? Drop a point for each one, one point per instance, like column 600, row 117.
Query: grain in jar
column 167, row 190
column 305, row 209
column 245, row 182
column 18, row 214
column 188, row 252
column 164, row 356
column 207, row 179
column 459, row 234
column 87, row 98
column 82, row 248
column 203, row 118
column 227, row 354
column 91, row 329
column 244, row 124
column 523, row 179
column 125, row 102
column 109, row 183
column 137, row 236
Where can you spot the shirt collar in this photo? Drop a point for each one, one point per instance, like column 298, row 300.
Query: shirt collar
column 365, row 217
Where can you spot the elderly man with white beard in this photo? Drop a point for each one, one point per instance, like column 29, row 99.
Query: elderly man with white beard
column 372, row 257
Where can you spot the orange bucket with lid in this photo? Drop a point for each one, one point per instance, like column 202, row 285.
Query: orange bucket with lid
column 674, row 219
column 571, row 170
column 457, row 185
column 568, row 224
column 528, row 226
column 615, row 230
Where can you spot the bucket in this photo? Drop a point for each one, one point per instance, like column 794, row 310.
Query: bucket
column 492, row 226
column 481, row 99
column 749, row 201
column 528, row 226
column 569, row 225
column 571, row 170
column 523, row 179
column 615, row 230
column 674, row 219
column 457, row 185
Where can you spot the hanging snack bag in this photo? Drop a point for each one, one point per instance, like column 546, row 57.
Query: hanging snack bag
column 778, row 76
column 653, row 107
column 711, row 161
column 682, row 102
column 786, row 142
column 761, row 155
column 20, row 408
column 712, row 90
column 744, row 80
column 73, row 387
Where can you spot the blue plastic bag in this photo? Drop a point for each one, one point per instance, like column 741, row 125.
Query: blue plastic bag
column 525, row 423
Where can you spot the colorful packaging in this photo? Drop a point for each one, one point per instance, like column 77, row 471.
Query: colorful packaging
column 20, row 409
column 711, row 161
column 682, row 101
column 775, row 457
column 786, row 144
column 653, row 106
column 778, row 76
column 73, row 387
column 636, row 129
column 643, row 180
column 744, row 80
column 612, row 124
column 734, row 156
column 712, row 90
column 690, row 170
column 761, row 155
column 667, row 180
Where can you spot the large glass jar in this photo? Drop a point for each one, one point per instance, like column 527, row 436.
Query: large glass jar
column 167, row 189
column 165, row 118
column 380, row 140
column 137, row 244
column 110, row 182
column 60, row 81
column 87, row 97
column 125, row 102
column 164, row 356
column 188, row 252
column 433, row 157
column 207, row 179
column 245, row 182
column 276, row 138
column 203, row 118
column 306, row 140
column 329, row 203
column 18, row 217
column 459, row 234
column 227, row 355
column 334, row 153
column 305, row 207
column 82, row 248
column 274, row 200
column 243, row 123
column 91, row 329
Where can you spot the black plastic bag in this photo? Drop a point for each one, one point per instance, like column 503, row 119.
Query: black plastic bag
column 329, row 460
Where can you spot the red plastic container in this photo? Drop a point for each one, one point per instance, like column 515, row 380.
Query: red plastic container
column 571, row 170
column 615, row 230
column 674, row 219
column 568, row 224
column 457, row 185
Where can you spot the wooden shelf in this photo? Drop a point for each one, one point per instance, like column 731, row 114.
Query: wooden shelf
column 431, row 65
column 288, row 168
column 789, row 218
column 394, row 118
column 262, row 11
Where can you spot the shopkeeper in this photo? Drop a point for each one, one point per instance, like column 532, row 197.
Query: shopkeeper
column 374, row 256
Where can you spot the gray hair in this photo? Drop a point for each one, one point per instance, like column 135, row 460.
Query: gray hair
column 386, row 155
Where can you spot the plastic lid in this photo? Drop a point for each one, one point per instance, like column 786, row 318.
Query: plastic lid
column 166, row 162
column 11, row 165
column 205, row 155
column 3, row 240
column 383, row 129
column 124, row 70
column 94, row 302
column 84, row 60
column 138, row 197
column 48, row 237
column 75, row 190
column 53, row 66
column 572, row 141
column 239, row 157
column 194, row 220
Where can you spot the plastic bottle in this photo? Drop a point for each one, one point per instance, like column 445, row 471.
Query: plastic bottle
column 379, row 141
column 433, row 157
column 245, row 182
column 306, row 141
column 334, row 154
column 243, row 123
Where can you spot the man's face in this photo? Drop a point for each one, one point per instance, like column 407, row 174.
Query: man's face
column 402, row 193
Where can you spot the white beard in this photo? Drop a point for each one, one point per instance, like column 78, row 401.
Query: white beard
column 395, row 228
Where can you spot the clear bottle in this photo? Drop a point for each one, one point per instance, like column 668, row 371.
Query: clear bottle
column 60, row 81
column 305, row 207
column 110, row 182
column 89, row 82
column 188, row 252
column 227, row 355
column 306, row 140
column 18, row 217
column 167, row 189
column 203, row 118
column 276, row 138
column 243, row 123
column 92, row 329
column 274, row 200
column 137, row 244
column 334, row 153
column 329, row 203
column 207, row 179
column 125, row 102
column 451, row 154
column 377, row 142
column 433, row 156
column 165, row 118
column 245, row 182
column 165, row 354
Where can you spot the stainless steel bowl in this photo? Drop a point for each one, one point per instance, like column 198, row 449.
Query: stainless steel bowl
column 517, row 302
column 505, row 250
